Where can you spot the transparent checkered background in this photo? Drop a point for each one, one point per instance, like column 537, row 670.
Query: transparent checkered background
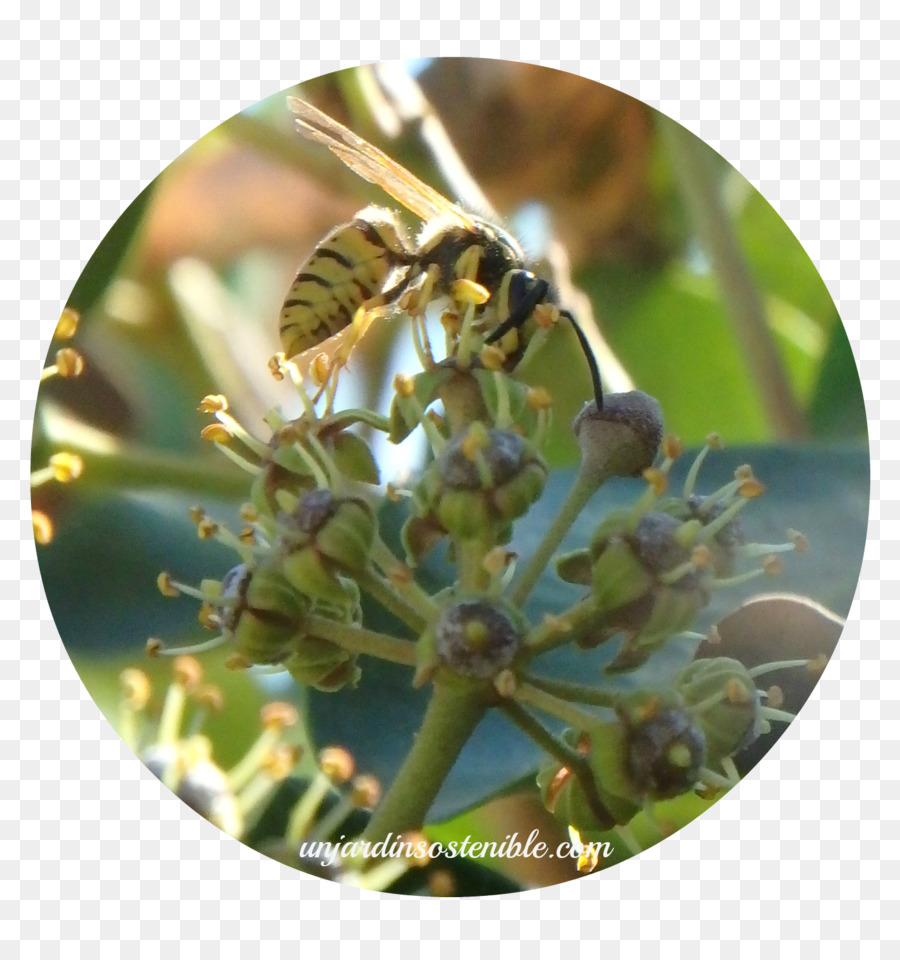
column 94, row 848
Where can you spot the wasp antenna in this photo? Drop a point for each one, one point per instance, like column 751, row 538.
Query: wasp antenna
column 589, row 356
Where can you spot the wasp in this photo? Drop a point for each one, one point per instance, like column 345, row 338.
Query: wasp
column 370, row 264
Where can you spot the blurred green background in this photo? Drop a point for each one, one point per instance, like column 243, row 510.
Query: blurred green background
column 700, row 295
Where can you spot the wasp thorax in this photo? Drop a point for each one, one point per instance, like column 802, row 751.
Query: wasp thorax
column 622, row 438
column 726, row 704
column 666, row 748
column 477, row 638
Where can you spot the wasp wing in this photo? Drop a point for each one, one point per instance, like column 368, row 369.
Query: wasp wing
column 376, row 167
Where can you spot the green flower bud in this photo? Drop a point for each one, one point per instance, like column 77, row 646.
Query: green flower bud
column 724, row 543
column 268, row 616
column 322, row 664
column 666, row 747
column 645, row 583
column 324, row 537
column 476, row 638
column 481, row 481
column 730, row 712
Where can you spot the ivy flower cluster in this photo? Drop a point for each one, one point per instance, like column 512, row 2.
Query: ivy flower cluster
column 311, row 545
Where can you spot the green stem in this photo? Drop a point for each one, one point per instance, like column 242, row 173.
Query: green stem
column 741, row 298
column 571, row 759
column 577, row 719
column 452, row 715
column 586, row 484
column 558, row 630
column 361, row 640
column 130, row 465
column 414, row 595
column 386, row 594
column 575, row 692
column 470, row 564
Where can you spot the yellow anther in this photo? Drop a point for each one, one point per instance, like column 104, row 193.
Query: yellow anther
column 337, row 764
column 276, row 367
column 538, row 398
column 67, row 325
column 492, row 357
column 206, row 528
column 166, row 587
column 213, row 403
column 773, row 565
column 751, row 488
column 714, row 441
column 468, row 291
column 135, row 687
column 404, row 385
column 320, row 369
column 279, row 715
column 366, row 791
column 69, row 362
column 208, row 617
column 42, row 526
column 801, row 544
column 249, row 513
column 775, row 696
column 658, row 480
column 154, row 647
column 545, row 315
column 215, row 433
column 187, row 671
column 672, row 447
column 66, row 466
column 474, row 441
column 210, row 697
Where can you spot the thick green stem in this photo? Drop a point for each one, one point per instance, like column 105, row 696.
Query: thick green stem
column 452, row 715
column 740, row 295
column 586, row 484
column 360, row 640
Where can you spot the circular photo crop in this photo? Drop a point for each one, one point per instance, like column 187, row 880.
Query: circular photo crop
column 450, row 477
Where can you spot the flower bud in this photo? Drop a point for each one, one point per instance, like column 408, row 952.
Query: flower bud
column 268, row 616
column 324, row 537
column 622, row 438
column 482, row 480
column 322, row 664
column 477, row 638
column 666, row 747
column 730, row 715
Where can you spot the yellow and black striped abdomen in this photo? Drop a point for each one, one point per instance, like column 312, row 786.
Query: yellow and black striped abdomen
column 349, row 268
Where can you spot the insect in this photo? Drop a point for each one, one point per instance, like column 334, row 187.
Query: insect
column 368, row 264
